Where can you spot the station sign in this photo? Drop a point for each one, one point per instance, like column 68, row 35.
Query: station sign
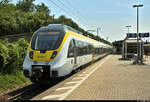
column 144, row 35
column 134, row 35
column 131, row 35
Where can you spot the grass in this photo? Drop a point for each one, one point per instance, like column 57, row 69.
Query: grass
column 10, row 81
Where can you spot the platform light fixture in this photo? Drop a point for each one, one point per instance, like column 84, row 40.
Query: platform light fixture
column 128, row 27
column 139, row 54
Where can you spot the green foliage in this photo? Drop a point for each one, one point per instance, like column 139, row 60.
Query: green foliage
column 13, row 58
column 26, row 5
column 43, row 8
column 10, row 81
column 5, row 2
column 12, row 55
column 22, row 47
column 19, row 19
column 3, row 56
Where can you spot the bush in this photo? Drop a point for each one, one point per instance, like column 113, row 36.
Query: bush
column 10, row 81
column 3, row 56
column 12, row 55
column 22, row 47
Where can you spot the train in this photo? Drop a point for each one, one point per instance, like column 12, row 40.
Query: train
column 56, row 50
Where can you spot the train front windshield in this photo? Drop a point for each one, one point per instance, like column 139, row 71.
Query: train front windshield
column 47, row 40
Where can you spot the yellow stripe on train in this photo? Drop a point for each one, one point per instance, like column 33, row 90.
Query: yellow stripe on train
column 37, row 56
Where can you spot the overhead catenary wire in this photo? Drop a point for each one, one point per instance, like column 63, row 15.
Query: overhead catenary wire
column 67, row 8
column 67, row 12
column 78, row 13
column 59, row 7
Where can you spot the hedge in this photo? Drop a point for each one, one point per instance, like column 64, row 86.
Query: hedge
column 12, row 55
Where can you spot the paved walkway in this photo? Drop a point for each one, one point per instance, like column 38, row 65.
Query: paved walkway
column 115, row 80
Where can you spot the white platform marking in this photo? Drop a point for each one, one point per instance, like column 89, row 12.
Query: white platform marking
column 52, row 96
column 63, row 96
column 63, row 88
column 72, row 82
column 95, row 68
column 78, row 78
column 82, row 74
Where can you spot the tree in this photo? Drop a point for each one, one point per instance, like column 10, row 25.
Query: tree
column 43, row 8
column 5, row 2
column 61, row 18
column 26, row 5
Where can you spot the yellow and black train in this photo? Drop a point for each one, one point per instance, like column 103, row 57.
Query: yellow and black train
column 56, row 50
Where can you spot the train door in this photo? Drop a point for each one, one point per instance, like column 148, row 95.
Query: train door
column 93, row 53
column 72, row 55
column 75, row 53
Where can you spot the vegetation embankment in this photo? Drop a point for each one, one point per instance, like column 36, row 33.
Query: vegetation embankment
column 11, row 60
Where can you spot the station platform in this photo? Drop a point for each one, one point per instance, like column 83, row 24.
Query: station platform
column 108, row 79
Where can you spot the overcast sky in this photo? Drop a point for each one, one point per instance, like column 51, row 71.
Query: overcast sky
column 110, row 15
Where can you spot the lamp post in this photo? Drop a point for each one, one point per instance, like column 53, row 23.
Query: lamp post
column 125, row 44
column 128, row 28
column 138, row 44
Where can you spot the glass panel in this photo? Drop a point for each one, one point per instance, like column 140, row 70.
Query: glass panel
column 47, row 40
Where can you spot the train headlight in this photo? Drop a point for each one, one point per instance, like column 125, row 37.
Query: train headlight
column 54, row 55
column 31, row 54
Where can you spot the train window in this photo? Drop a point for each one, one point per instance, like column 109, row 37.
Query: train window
column 71, row 49
column 80, row 48
column 90, row 48
column 47, row 40
column 84, row 48
column 87, row 48
column 101, row 50
column 98, row 50
column 104, row 50
column 95, row 50
column 77, row 47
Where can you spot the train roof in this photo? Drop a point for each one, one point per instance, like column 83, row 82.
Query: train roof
column 59, row 27
column 65, row 28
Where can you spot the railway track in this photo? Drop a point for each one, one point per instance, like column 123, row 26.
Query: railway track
column 14, row 95
column 32, row 90
column 20, row 94
column 27, row 92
